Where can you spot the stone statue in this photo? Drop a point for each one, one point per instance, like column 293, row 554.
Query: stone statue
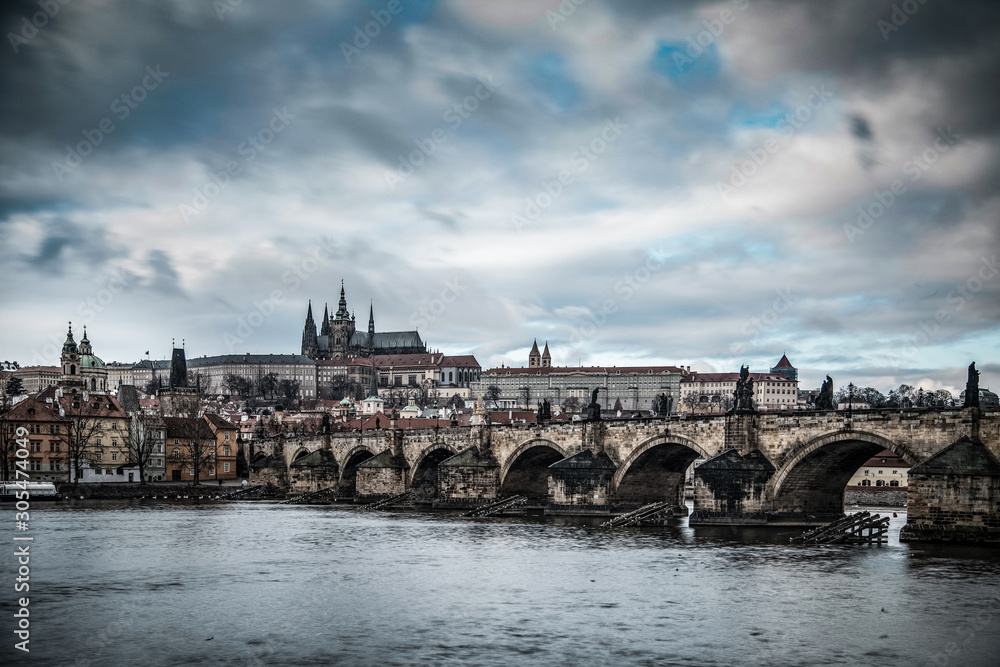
column 594, row 409
column 544, row 411
column 972, row 388
column 825, row 399
column 743, row 394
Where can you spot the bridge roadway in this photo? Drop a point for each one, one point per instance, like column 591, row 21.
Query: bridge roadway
column 790, row 464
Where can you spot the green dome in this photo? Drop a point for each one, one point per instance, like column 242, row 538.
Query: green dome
column 346, row 401
column 90, row 361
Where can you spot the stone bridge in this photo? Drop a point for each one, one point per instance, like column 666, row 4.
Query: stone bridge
column 778, row 468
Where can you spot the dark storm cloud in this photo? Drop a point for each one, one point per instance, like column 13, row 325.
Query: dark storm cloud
column 653, row 190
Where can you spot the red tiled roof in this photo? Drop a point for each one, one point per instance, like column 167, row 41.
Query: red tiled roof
column 44, row 412
column 219, row 422
column 609, row 370
column 429, row 359
column 784, row 363
column 732, row 377
column 38, row 369
column 459, row 361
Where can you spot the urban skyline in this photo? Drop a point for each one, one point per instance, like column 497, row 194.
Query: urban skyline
column 633, row 183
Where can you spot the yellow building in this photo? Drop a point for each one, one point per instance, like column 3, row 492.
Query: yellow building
column 885, row 469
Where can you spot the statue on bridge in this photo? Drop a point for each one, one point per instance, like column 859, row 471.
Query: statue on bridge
column 824, row 401
column 743, row 394
column 972, row 388
column 544, row 411
column 594, row 409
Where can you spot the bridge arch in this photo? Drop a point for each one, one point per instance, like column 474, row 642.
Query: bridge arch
column 299, row 453
column 349, row 468
column 526, row 470
column 654, row 471
column 812, row 477
column 423, row 473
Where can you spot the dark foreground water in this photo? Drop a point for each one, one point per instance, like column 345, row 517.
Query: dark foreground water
column 116, row 583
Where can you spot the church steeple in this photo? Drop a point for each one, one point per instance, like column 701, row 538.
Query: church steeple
column 534, row 358
column 310, row 346
column 325, row 329
column 342, row 313
column 371, row 323
column 546, row 357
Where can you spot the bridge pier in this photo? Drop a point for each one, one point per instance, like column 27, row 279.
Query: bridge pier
column 954, row 496
column 468, row 479
column 730, row 489
column 581, row 484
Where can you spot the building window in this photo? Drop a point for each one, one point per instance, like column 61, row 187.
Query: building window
column 100, row 455
column 226, row 437
column 225, row 467
column 866, row 482
column 225, row 452
column 880, row 483
column 893, row 482
column 176, row 441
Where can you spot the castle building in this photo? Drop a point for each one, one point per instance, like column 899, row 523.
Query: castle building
column 634, row 387
column 338, row 338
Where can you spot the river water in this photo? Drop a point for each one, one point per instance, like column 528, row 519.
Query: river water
column 150, row 583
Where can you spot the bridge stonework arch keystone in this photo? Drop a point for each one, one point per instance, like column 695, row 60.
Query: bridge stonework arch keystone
column 778, row 467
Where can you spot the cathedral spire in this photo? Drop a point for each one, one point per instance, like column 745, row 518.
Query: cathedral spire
column 309, row 312
column 325, row 330
column 534, row 357
column 342, row 313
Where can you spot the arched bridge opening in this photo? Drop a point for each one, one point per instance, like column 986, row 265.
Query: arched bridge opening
column 656, row 472
column 527, row 474
column 812, row 481
column 423, row 484
column 349, row 476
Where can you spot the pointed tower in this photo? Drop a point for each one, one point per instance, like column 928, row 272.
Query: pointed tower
column 546, row 357
column 341, row 328
column 370, row 343
column 325, row 329
column 784, row 367
column 534, row 357
column 70, row 361
column 310, row 346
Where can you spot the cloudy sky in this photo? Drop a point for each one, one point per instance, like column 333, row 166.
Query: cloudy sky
column 705, row 184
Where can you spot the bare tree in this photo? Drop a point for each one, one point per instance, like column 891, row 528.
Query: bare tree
column 196, row 452
column 524, row 393
column 268, row 385
column 571, row 405
column 140, row 442
column 493, row 395
column 8, row 436
column 289, row 389
column 82, row 428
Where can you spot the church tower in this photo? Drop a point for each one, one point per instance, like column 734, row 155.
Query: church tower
column 534, row 358
column 546, row 357
column 341, row 328
column 70, row 361
column 310, row 346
